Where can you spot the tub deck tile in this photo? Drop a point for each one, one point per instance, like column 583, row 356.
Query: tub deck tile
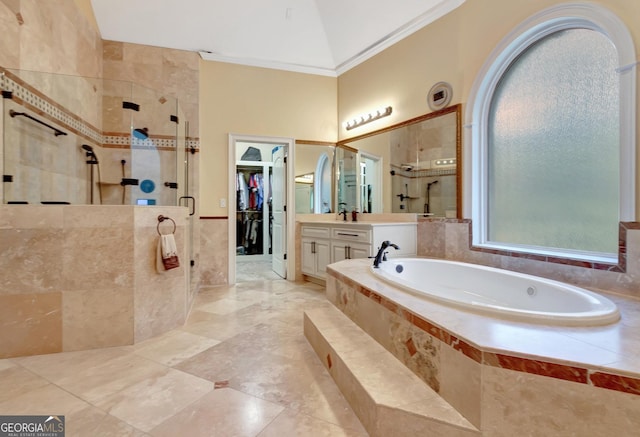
column 585, row 360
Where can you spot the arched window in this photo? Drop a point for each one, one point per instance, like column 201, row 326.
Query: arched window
column 552, row 143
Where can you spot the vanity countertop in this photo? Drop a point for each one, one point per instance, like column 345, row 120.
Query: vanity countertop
column 358, row 223
column 385, row 219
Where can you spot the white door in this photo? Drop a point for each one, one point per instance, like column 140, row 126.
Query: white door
column 278, row 202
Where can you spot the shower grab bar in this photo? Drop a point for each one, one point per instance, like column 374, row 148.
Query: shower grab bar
column 55, row 130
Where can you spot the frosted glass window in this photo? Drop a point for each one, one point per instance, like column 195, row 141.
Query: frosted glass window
column 554, row 148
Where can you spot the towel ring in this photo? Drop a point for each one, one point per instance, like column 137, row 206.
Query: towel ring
column 162, row 218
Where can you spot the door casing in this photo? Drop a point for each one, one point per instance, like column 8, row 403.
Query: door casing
column 231, row 200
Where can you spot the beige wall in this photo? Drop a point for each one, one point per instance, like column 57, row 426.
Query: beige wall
column 452, row 49
column 307, row 156
column 256, row 101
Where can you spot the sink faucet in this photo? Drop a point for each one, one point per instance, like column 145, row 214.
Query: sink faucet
column 381, row 255
column 344, row 211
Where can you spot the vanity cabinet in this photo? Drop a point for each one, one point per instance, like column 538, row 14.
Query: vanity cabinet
column 350, row 243
column 316, row 250
column 325, row 243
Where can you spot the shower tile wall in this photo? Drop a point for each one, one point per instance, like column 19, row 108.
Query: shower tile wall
column 213, row 257
column 52, row 36
column 56, row 37
column 82, row 277
column 175, row 72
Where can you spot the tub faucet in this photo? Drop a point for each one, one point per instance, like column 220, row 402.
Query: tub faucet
column 381, row 255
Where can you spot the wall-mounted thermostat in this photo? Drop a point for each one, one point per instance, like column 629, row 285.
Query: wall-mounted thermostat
column 439, row 96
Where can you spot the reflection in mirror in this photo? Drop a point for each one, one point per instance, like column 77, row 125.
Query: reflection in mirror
column 370, row 183
column 346, row 179
column 314, row 178
column 304, row 193
column 422, row 164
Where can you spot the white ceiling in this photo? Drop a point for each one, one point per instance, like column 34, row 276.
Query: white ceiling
column 326, row 37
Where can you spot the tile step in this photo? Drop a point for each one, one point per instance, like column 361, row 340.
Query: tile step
column 386, row 396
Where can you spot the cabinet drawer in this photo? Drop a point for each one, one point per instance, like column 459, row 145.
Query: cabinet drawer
column 317, row 232
column 357, row 235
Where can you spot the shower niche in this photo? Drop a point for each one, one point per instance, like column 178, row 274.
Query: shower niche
column 80, row 140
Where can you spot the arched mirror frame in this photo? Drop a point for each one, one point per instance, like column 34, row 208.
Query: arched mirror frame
column 457, row 109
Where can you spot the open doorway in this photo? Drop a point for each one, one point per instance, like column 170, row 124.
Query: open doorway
column 370, row 183
column 260, row 229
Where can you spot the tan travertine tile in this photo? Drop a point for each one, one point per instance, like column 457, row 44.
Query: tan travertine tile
column 174, row 347
column 232, row 412
column 148, row 402
column 291, row 422
column 97, row 318
column 45, row 400
column 16, row 380
column 261, row 357
column 31, row 324
column 92, row 421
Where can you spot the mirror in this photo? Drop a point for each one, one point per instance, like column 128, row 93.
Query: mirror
column 421, row 166
column 314, row 178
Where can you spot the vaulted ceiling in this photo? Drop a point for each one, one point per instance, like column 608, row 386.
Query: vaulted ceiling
column 326, row 37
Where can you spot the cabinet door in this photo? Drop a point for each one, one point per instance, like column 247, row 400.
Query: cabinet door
column 338, row 251
column 357, row 251
column 308, row 261
column 323, row 257
column 345, row 250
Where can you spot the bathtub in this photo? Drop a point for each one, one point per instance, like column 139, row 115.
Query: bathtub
column 499, row 293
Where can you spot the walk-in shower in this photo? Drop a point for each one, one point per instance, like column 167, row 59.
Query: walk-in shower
column 127, row 134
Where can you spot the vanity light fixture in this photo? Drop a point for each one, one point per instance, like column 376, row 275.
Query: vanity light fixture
column 448, row 161
column 367, row 118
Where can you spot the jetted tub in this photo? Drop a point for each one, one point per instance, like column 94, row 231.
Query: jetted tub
column 500, row 293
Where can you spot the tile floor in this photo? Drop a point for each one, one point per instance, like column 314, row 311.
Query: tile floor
column 239, row 367
column 249, row 270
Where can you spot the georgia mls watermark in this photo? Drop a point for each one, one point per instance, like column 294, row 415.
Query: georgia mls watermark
column 31, row 426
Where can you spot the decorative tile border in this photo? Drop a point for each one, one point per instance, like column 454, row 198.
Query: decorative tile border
column 34, row 100
column 424, row 173
column 564, row 372
column 115, row 140
column 621, row 267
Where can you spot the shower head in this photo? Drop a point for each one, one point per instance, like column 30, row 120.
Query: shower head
column 90, row 154
column 141, row 134
column 431, row 183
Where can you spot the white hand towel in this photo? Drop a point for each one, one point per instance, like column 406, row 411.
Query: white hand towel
column 167, row 258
